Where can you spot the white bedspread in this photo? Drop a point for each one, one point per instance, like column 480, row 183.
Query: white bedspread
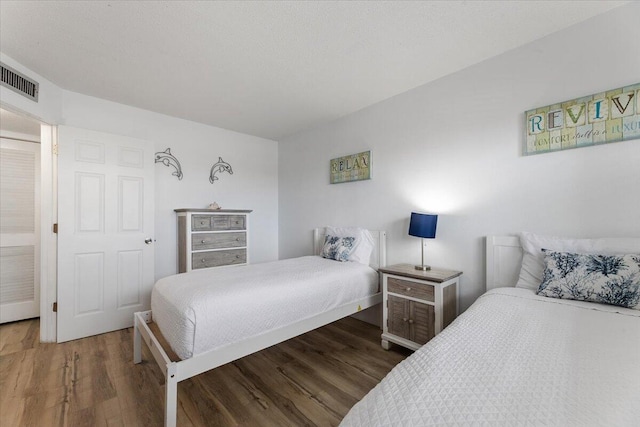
column 208, row 309
column 516, row 359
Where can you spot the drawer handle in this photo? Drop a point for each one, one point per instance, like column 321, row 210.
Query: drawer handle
column 202, row 260
column 237, row 239
column 410, row 320
column 202, row 241
column 404, row 319
column 408, row 289
column 238, row 256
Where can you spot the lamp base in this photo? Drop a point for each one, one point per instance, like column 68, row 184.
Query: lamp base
column 423, row 267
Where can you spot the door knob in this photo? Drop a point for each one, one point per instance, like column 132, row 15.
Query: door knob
column 148, row 240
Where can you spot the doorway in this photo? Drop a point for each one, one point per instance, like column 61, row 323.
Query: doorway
column 20, row 217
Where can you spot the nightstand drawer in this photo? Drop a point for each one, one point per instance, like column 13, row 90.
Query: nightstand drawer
column 218, row 240
column 410, row 289
column 218, row 258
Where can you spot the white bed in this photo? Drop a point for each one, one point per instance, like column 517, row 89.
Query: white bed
column 515, row 358
column 197, row 314
column 212, row 317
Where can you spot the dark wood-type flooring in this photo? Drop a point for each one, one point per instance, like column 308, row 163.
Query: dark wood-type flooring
column 313, row 379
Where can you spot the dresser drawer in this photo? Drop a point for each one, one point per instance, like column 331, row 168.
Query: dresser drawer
column 218, row 222
column 201, row 222
column 235, row 222
column 218, row 240
column 410, row 289
column 218, row 258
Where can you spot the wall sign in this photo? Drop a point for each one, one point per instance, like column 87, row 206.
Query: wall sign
column 602, row 118
column 355, row 167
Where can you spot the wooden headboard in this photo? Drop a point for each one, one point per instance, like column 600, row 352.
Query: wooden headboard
column 378, row 255
column 504, row 257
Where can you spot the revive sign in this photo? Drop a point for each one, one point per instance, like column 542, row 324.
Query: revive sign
column 610, row 116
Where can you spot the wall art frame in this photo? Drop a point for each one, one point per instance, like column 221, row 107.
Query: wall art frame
column 354, row 167
column 601, row 118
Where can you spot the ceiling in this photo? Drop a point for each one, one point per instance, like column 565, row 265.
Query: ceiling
column 269, row 69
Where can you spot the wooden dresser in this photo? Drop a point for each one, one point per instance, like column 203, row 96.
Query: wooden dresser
column 212, row 238
column 417, row 304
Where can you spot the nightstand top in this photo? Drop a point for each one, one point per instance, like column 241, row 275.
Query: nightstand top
column 408, row 270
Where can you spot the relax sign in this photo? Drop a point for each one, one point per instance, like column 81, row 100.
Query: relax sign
column 610, row 116
column 354, row 167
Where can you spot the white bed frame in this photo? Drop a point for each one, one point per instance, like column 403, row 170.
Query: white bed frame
column 174, row 372
column 504, row 257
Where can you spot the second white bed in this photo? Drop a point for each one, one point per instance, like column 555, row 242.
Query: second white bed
column 516, row 359
column 206, row 310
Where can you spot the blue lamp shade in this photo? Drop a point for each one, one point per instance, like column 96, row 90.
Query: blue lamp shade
column 423, row 225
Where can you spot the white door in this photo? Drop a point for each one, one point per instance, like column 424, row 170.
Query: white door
column 19, row 230
column 105, row 231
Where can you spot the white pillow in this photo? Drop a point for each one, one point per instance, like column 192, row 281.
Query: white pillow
column 363, row 245
column 533, row 257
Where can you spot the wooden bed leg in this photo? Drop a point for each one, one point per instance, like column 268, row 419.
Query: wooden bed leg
column 171, row 397
column 385, row 344
column 137, row 341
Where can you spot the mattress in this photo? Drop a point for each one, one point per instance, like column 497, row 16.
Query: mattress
column 514, row 358
column 209, row 309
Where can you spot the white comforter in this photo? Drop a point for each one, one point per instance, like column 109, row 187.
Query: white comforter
column 517, row 359
column 209, row 309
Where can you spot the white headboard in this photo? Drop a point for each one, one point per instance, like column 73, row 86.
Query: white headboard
column 504, row 257
column 378, row 255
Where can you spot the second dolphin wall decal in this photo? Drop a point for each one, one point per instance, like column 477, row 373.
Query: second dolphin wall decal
column 219, row 166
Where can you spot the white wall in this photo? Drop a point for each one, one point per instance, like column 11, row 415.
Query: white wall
column 453, row 147
column 48, row 107
column 253, row 185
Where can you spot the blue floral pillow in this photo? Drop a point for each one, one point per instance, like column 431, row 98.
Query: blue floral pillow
column 608, row 279
column 337, row 248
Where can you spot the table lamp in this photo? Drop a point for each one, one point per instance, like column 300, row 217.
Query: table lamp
column 424, row 226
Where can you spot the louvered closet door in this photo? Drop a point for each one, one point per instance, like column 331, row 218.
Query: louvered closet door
column 19, row 230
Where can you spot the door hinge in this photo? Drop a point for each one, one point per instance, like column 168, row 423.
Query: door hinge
column 55, row 228
column 54, row 149
column 55, row 307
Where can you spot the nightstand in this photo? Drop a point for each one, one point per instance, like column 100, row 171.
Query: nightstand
column 417, row 304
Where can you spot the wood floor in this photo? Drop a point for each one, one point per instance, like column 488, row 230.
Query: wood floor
column 313, row 379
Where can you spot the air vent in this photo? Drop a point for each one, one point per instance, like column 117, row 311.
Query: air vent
column 19, row 83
